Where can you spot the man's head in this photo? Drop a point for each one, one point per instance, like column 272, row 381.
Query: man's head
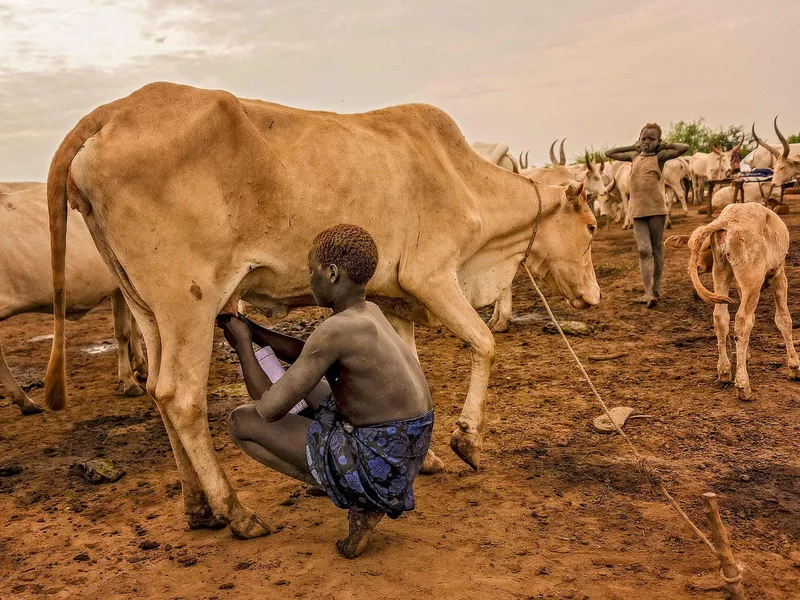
column 341, row 261
column 650, row 138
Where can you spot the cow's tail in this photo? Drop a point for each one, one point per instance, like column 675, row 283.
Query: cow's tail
column 700, row 238
column 55, row 383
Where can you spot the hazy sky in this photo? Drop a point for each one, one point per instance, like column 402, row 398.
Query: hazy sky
column 520, row 72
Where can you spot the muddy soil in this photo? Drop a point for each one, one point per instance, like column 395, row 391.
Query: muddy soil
column 556, row 510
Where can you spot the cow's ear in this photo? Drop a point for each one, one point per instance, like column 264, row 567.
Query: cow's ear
column 574, row 194
column 677, row 241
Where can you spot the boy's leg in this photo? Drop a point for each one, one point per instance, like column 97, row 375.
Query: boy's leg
column 280, row 445
column 657, row 224
column 641, row 231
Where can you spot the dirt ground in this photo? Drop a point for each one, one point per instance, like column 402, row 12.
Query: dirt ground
column 556, row 510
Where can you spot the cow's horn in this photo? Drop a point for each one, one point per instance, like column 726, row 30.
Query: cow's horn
column 562, row 159
column 588, row 162
column 553, row 160
column 761, row 143
column 602, row 162
column 611, row 185
column 738, row 146
column 781, row 138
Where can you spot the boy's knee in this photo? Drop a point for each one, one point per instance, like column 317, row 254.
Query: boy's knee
column 645, row 254
column 236, row 421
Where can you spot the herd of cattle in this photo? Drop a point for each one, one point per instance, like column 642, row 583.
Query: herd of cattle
column 186, row 201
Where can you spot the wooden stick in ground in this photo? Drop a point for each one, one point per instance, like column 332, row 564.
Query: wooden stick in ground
column 731, row 572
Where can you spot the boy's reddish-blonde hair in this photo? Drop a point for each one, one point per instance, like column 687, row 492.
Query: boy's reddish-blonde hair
column 349, row 247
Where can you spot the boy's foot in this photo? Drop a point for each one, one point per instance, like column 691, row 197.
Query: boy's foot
column 644, row 299
column 362, row 524
column 652, row 302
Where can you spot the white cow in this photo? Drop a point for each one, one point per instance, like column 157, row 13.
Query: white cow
column 710, row 167
column 786, row 166
column 497, row 154
column 26, row 285
column 749, row 244
column 672, row 176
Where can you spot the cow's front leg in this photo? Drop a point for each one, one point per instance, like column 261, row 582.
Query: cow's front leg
column 181, row 396
column 405, row 329
column 627, row 222
column 443, row 297
column 502, row 312
column 722, row 318
column 122, row 335
column 783, row 319
column 745, row 317
column 18, row 396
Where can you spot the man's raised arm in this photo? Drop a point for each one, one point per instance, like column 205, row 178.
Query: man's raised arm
column 624, row 153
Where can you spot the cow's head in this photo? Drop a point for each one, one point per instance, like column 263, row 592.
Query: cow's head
column 719, row 163
column 595, row 185
column 567, row 235
column 785, row 167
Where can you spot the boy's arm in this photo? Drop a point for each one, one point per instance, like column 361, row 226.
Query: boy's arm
column 321, row 350
column 285, row 347
column 670, row 151
column 239, row 336
column 624, row 153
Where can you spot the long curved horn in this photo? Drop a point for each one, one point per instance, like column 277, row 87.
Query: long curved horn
column 526, row 158
column 781, row 138
column 562, row 159
column 521, row 161
column 602, row 162
column 715, row 150
column 737, row 147
column 761, row 143
column 588, row 161
column 612, row 184
column 553, row 160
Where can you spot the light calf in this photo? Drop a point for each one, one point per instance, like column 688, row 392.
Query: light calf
column 26, row 284
column 748, row 243
column 675, row 171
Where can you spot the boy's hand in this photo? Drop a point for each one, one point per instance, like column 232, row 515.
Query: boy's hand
column 236, row 329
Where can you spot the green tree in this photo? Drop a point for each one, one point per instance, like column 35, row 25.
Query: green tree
column 596, row 156
column 699, row 136
column 794, row 139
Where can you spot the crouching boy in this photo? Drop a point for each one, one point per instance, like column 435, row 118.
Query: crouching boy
column 370, row 434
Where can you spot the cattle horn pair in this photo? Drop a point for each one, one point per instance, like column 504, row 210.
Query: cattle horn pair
column 523, row 164
column 714, row 149
column 563, row 159
column 772, row 150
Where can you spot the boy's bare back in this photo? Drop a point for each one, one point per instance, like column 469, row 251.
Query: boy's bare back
column 376, row 377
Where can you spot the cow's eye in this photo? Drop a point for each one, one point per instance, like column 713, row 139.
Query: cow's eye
column 592, row 229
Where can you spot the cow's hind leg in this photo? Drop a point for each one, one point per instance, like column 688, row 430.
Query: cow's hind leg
column 138, row 360
column 722, row 275
column 122, row 335
column 405, row 329
column 445, row 300
column 181, row 395
column 783, row 319
column 502, row 312
column 18, row 396
column 749, row 283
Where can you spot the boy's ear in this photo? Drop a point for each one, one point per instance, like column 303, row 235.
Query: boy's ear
column 333, row 273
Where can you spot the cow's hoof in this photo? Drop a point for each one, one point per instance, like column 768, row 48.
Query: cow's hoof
column 248, row 527
column 133, row 389
column 206, row 520
column 30, row 408
column 140, row 374
column 744, row 393
column 467, row 446
column 499, row 327
column 433, row 464
column 724, row 378
column 794, row 373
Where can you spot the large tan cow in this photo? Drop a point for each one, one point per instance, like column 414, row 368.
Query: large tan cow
column 196, row 198
column 749, row 244
column 26, row 284
column 497, row 154
column 785, row 167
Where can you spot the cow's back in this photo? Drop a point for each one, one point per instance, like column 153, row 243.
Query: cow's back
column 25, row 276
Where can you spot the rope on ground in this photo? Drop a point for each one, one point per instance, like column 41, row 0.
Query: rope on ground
column 651, row 474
